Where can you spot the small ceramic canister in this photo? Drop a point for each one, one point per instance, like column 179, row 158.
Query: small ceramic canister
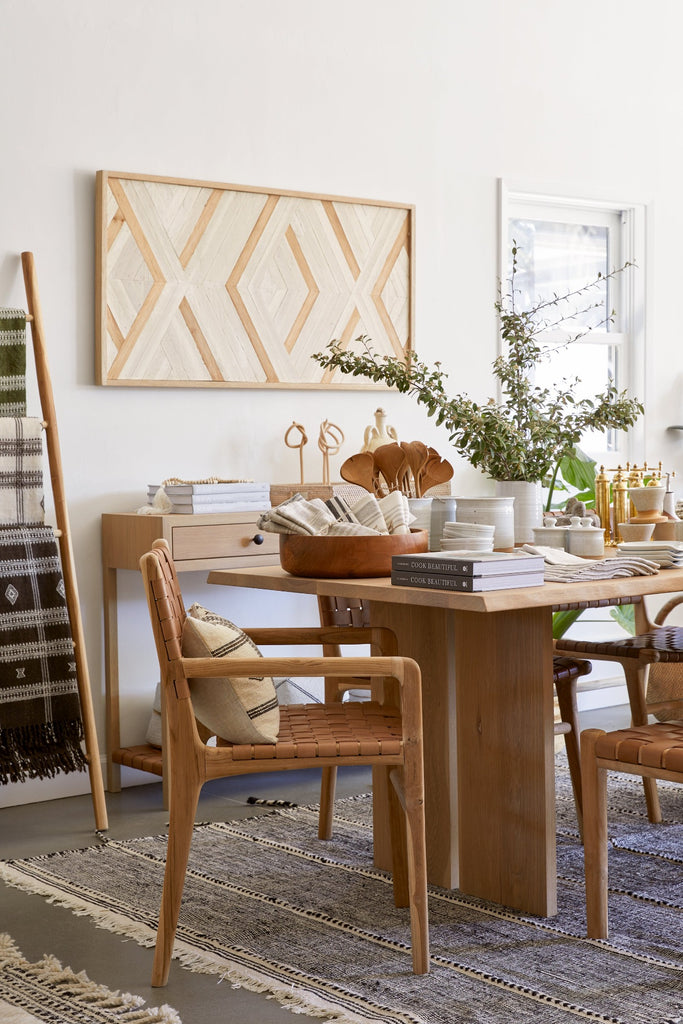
column 549, row 535
column 585, row 540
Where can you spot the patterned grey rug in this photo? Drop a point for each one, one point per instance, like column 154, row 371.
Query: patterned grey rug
column 268, row 906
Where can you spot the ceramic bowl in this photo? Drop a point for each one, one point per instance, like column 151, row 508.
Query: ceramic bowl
column 466, row 544
column 347, row 557
column 635, row 531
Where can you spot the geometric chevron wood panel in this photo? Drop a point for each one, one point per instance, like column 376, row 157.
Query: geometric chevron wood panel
column 208, row 285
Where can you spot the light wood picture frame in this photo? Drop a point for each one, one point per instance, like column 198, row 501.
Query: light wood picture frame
column 201, row 284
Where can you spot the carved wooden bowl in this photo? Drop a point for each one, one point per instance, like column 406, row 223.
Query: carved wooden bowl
column 347, row 557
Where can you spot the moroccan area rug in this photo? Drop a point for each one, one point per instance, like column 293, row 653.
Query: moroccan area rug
column 47, row 993
column 270, row 907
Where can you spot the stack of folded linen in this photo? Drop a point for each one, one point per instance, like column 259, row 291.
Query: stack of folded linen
column 369, row 516
column 563, row 567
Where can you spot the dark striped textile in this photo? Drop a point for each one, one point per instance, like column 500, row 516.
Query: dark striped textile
column 40, row 718
column 12, row 362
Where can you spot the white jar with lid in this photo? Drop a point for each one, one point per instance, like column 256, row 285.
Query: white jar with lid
column 585, row 540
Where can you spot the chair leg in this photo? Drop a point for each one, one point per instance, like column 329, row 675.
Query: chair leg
column 569, row 712
column 594, row 836
column 409, row 787
column 636, row 683
column 182, row 815
column 328, row 787
column 399, row 838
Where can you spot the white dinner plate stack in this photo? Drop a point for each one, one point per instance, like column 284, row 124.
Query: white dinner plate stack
column 467, row 537
column 666, row 553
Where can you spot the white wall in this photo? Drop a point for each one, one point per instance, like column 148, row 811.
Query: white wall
column 426, row 102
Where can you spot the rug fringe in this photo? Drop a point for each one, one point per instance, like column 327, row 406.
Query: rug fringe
column 124, row 1007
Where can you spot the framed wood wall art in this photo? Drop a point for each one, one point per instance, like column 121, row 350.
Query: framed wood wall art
column 208, row 285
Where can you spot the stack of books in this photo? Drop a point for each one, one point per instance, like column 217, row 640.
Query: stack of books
column 467, row 571
column 238, row 496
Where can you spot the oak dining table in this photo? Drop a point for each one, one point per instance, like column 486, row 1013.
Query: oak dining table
column 488, row 709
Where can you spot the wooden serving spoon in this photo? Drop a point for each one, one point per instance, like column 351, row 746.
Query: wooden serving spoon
column 390, row 460
column 436, row 471
column 360, row 469
column 416, row 453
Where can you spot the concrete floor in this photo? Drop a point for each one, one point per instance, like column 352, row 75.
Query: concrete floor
column 39, row 927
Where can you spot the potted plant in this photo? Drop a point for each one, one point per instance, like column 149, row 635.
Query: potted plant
column 521, row 437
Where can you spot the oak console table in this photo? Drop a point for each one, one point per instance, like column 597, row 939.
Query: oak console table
column 198, row 543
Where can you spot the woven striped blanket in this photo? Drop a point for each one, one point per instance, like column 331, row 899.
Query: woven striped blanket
column 40, row 719
column 21, row 471
column 12, row 362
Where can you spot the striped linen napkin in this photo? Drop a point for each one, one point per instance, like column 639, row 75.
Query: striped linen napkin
column 340, row 509
column 297, row 515
column 396, row 511
column 562, row 567
column 368, row 512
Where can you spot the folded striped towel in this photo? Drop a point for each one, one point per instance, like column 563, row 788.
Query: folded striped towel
column 308, row 517
column 368, row 512
column 344, row 529
column 396, row 511
column 340, row 509
column 563, row 567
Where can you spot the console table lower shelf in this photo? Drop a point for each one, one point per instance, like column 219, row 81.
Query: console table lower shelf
column 198, row 543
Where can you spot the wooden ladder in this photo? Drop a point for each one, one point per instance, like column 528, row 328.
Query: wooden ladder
column 63, row 532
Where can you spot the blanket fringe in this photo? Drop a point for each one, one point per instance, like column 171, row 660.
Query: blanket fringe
column 41, row 751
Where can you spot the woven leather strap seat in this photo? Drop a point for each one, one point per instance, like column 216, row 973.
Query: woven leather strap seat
column 567, row 669
column 662, row 644
column 653, row 746
column 329, row 730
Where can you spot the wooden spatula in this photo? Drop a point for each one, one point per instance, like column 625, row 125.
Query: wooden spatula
column 436, row 471
column 360, row 469
column 390, row 460
column 416, row 454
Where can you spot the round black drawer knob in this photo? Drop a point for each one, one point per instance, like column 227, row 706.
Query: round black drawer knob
column 258, row 538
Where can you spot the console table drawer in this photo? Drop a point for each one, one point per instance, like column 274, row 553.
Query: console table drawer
column 221, row 541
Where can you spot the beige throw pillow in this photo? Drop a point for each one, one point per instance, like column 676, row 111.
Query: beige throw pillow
column 239, row 710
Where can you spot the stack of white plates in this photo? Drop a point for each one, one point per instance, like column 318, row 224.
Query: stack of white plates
column 467, row 537
column 666, row 553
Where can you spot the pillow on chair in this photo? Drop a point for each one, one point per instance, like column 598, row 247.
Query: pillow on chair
column 239, row 710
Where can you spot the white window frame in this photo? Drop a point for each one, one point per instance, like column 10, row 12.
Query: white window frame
column 634, row 248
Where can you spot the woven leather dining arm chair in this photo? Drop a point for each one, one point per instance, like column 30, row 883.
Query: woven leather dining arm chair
column 652, row 663
column 386, row 735
column 650, row 751
column 351, row 611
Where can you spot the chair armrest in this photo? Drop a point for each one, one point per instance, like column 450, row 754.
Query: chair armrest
column 380, row 638
column 404, row 670
column 666, row 609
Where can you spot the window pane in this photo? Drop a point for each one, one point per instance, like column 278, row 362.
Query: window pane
column 595, row 366
column 557, row 258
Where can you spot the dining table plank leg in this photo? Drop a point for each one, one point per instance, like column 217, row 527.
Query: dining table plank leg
column 426, row 635
column 505, row 762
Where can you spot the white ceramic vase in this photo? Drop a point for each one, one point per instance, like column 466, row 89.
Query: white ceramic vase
column 492, row 510
column 528, row 510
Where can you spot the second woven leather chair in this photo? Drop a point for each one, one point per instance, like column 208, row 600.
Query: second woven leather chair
column 652, row 662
